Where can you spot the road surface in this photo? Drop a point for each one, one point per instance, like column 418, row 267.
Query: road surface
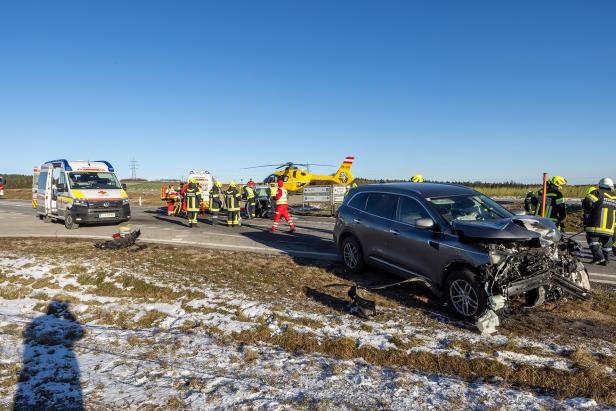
column 313, row 238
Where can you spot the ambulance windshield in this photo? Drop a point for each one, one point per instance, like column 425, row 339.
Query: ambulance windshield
column 93, row 180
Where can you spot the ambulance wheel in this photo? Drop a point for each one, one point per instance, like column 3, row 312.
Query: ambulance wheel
column 69, row 221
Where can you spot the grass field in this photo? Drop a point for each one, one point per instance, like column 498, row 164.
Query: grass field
column 182, row 327
column 504, row 191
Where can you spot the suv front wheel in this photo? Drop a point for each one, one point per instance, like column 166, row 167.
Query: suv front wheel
column 465, row 296
column 352, row 255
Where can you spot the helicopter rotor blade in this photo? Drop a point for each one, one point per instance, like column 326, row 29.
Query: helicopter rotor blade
column 266, row 165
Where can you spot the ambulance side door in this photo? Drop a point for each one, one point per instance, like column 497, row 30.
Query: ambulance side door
column 64, row 196
column 43, row 194
column 55, row 178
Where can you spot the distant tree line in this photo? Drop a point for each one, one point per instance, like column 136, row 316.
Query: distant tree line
column 17, row 180
column 481, row 184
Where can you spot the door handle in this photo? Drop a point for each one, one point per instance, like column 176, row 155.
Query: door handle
column 394, row 232
column 356, row 220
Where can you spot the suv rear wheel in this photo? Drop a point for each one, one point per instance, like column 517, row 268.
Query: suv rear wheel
column 465, row 296
column 352, row 255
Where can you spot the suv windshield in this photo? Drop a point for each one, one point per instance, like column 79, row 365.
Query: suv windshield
column 469, row 208
column 94, row 180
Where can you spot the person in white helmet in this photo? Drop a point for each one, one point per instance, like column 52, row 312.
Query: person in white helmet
column 600, row 206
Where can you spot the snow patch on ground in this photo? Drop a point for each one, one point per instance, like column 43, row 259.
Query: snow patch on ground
column 104, row 367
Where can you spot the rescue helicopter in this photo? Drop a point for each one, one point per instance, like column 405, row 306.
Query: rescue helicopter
column 296, row 178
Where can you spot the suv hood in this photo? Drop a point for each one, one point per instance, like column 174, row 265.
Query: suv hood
column 518, row 228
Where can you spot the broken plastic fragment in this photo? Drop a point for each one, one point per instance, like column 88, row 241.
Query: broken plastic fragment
column 497, row 302
column 487, row 323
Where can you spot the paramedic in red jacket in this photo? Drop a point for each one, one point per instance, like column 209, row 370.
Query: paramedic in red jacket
column 282, row 207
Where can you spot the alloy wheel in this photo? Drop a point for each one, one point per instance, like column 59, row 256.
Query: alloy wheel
column 351, row 255
column 463, row 297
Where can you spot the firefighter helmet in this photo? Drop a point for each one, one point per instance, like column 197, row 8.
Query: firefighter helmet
column 232, row 184
column 606, row 183
column 417, row 178
column 557, row 181
column 192, row 180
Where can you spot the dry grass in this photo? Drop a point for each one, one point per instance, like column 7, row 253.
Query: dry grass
column 13, row 292
column 590, row 381
column 170, row 274
column 123, row 319
column 250, row 355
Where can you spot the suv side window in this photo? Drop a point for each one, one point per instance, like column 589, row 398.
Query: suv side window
column 410, row 210
column 359, row 201
column 382, row 205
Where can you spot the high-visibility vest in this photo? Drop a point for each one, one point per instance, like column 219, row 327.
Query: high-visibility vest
column 601, row 206
column 250, row 193
column 233, row 196
column 283, row 196
column 553, row 201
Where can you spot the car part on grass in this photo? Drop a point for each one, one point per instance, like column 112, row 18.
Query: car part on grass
column 359, row 305
column 362, row 306
column 119, row 242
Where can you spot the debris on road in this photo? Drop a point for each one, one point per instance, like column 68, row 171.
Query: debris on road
column 120, row 240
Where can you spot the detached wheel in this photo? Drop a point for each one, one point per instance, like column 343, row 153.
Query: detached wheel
column 465, row 296
column 69, row 221
column 352, row 255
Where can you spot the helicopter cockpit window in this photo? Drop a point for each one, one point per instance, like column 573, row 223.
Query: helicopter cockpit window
column 270, row 179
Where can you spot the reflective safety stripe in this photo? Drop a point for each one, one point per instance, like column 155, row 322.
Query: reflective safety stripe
column 283, row 197
column 599, row 230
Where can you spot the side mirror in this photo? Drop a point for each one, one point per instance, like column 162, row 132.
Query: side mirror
column 124, row 186
column 61, row 188
column 425, row 223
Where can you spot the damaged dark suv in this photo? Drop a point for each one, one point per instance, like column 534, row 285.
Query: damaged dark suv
column 463, row 244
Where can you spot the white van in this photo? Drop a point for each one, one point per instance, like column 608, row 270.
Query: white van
column 79, row 192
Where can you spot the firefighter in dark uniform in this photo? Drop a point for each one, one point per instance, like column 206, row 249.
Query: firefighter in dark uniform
column 232, row 198
column 528, row 203
column 585, row 214
column 601, row 208
column 193, row 196
column 249, row 196
column 555, row 207
column 216, row 200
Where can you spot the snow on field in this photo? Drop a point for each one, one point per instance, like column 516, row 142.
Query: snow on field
column 67, row 356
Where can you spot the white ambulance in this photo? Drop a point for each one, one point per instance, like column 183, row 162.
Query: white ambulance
column 79, row 192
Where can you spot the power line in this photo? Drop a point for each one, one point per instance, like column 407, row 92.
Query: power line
column 133, row 165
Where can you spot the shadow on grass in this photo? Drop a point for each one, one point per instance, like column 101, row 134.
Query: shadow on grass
column 50, row 377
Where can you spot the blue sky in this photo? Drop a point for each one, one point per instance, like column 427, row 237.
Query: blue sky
column 458, row 90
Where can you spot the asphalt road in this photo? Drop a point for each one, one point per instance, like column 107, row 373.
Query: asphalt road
column 313, row 238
